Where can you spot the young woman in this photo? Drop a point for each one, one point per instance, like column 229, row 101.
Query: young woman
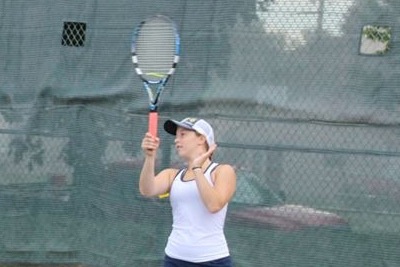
column 199, row 194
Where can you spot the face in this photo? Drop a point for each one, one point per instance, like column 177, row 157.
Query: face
column 188, row 143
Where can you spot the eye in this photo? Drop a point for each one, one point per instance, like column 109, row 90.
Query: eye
column 181, row 132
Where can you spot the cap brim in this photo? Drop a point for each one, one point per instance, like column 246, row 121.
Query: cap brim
column 170, row 126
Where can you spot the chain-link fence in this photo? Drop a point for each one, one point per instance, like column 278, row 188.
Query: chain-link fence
column 303, row 97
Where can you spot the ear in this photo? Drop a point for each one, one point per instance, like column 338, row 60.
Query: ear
column 202, row 139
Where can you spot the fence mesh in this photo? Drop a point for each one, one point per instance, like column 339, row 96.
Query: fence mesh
column 303, row 96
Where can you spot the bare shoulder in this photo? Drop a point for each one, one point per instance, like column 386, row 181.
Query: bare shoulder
column 225, row 167
column 165, row 178
column 225, row 180
column 225, row 170
column 168, row 173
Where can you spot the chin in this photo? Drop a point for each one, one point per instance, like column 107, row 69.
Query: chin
column 181, row 154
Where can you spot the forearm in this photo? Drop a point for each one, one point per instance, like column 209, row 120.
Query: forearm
column 147, row 174
column 209, row 195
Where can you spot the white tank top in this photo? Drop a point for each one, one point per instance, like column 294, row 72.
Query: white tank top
column 197, row 234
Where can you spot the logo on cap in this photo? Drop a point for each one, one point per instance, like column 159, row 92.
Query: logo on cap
column 191, row 120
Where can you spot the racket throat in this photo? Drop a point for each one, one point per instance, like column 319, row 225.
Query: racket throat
column 153, row 98
column 153, row 107
column 153, row 102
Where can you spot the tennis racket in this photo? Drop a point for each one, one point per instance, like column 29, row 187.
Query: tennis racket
column 155, row 54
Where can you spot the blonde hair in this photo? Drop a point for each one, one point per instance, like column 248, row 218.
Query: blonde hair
column 199, row 134
column 207, row 146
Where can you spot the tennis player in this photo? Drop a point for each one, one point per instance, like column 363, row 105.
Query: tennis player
column 199, row 194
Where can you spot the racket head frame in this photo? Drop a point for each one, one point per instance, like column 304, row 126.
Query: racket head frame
column 156, row 78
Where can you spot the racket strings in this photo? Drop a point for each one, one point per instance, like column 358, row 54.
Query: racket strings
column 156, row 50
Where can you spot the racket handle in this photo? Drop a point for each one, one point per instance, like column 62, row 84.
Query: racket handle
column 153, row 122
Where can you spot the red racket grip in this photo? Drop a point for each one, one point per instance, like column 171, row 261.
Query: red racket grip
column 153, row 122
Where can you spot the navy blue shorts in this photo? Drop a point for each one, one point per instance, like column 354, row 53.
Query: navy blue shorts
column 223, row 262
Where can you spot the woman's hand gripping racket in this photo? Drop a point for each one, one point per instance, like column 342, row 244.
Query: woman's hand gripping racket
column 155, row 54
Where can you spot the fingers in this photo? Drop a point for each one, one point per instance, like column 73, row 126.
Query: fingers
column 202, row 158
column 150, row 143
column 211, row 149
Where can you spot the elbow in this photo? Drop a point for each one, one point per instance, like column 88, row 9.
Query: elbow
column 145, row 193
column 215, row 208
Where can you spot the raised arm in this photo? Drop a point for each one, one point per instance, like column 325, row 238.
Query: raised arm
column 150, row 184
column 215, row 196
